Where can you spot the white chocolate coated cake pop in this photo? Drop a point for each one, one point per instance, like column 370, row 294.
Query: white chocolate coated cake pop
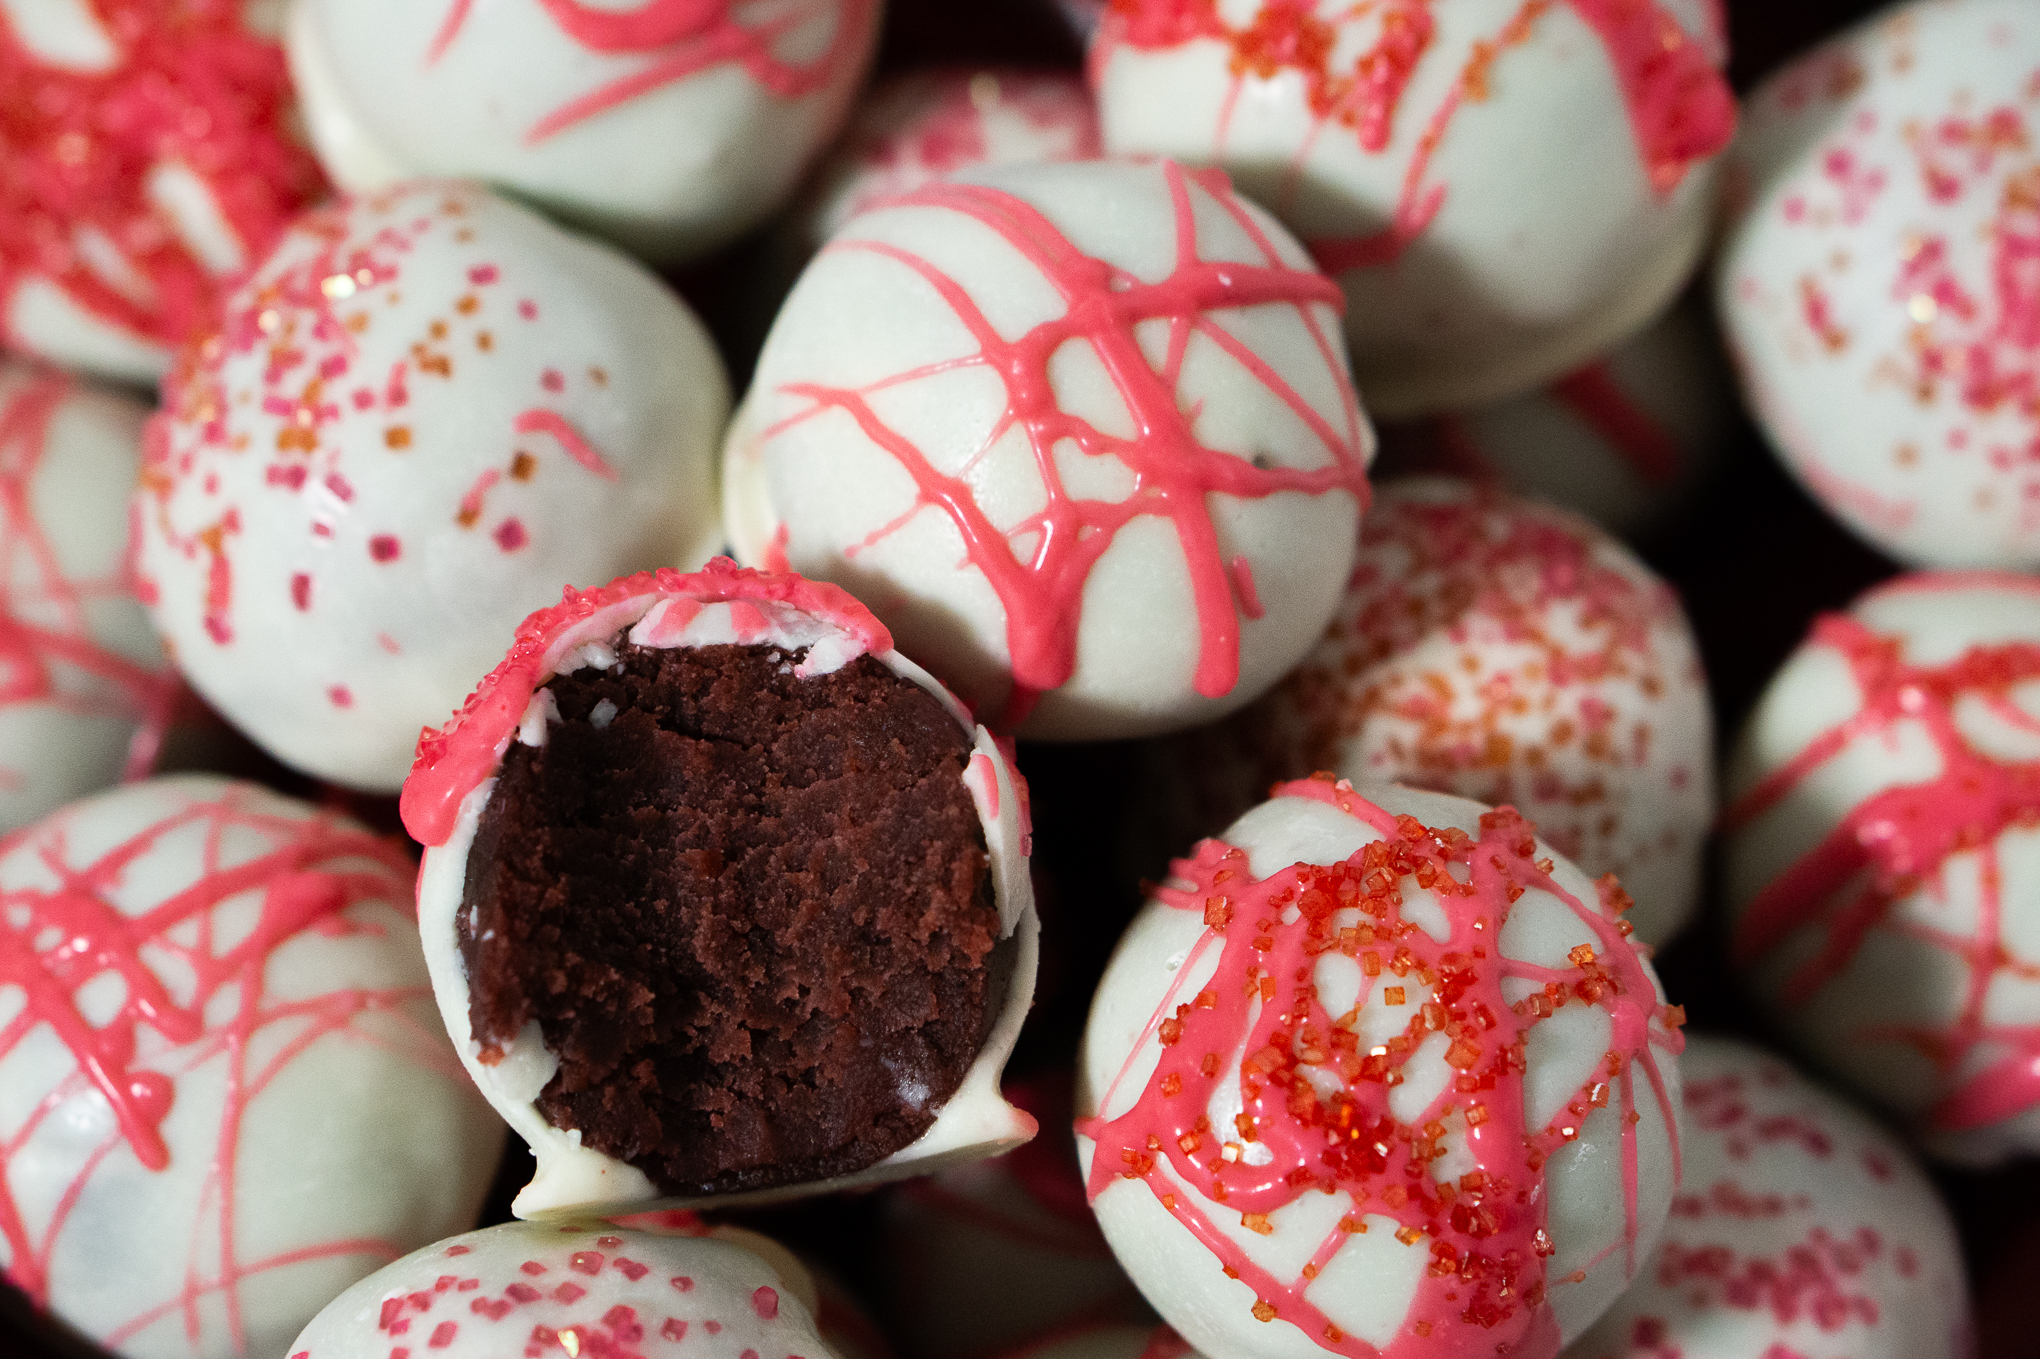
column 423, row 414
column 147, row 157
column 1883, row 855
column 86, row 695
column 1081, row 434
column 1504, row 188
column 1375, row 1074
column 669, row 126
column 578, row 1288
column 1878, row 287
column 1800, row 1227
column 223, row 1093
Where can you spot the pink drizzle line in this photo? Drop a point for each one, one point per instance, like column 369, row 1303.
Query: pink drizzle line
column 192, row 86
column 682, row 38
column 1680, row 108
column 312, row 871
column 1595, row 396
column 1174, row 474
column 454, row 760
column 33, row 654
column 539, row 421
column 1899, row 842
column 1484, row 1291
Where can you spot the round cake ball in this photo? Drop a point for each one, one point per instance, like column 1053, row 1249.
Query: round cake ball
column 1504, row 190
column 146, row 159
column 1877, row 288
column 86, row 696
column 1625, row 440
column 723, row 895
column 996, row 1254
column 1376, row 1072
column 667, row 127
column 1883, row 855
column 424, row 412
column 1081, row 434
column 921, row 126
column 223, row 1095
column 1800, row 1227
column 575, row 1288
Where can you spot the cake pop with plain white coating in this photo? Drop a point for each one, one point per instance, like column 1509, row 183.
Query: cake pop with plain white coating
column 584, row 1287
column 223, row 1093
column 723, row 896
column 1376, row 1073
column 420, row 416
column 1876, row 286
column 1081, row 434
column 669, row 127
column 147, row 157
column 1503, row 189
column 86, row 694
column 1800, row 1227
column 1881, row 855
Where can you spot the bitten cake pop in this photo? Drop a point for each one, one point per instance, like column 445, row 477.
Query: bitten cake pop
column 1800, row 1228
column 724, row 895
column 1502, row 650
column 1504, row 188
column 1882, row 854
column 1624, row 440
column 422, row 415
column 1879, row 289
column 669, row 126
column 577, row 1288
column 146, row 158
column 1081, row 434
column 1376, row 1073
column 921, row 126
column 86, row 696
column 223, row 1094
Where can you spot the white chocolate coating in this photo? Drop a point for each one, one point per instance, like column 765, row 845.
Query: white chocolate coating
column 1348, row 1271
column 85, row 691
column 1882, row 865
column 583, row 1287
column 669, row 128
column 1876, row 286
column 225, row 1097
column 1497, row 204
column 570, row 1178
column 1080, row 432
column 1800, row 1227
column 427, row 411
column 1625, row 440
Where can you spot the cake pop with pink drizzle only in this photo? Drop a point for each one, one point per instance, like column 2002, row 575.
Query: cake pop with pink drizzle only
column 424, row 413
column 580, row 1287
column 1081, row 434
column 146, row 158
column 1879, row 285
column 86, row 694
column 1504, row 188
column 1377, row 1074
column 1800, row 1228
column 223, row 1093
column 668, row 126
column 1883, row 855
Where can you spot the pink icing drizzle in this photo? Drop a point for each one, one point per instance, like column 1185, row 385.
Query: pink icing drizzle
column 191, row 86
column 540, row 421
column 1485, row 1290
column 1680, row 108
column 682, row 38
column 212, row 1005
column 455, row 759
column 1898, row 842
column 44, row 632
column 1174, row 473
